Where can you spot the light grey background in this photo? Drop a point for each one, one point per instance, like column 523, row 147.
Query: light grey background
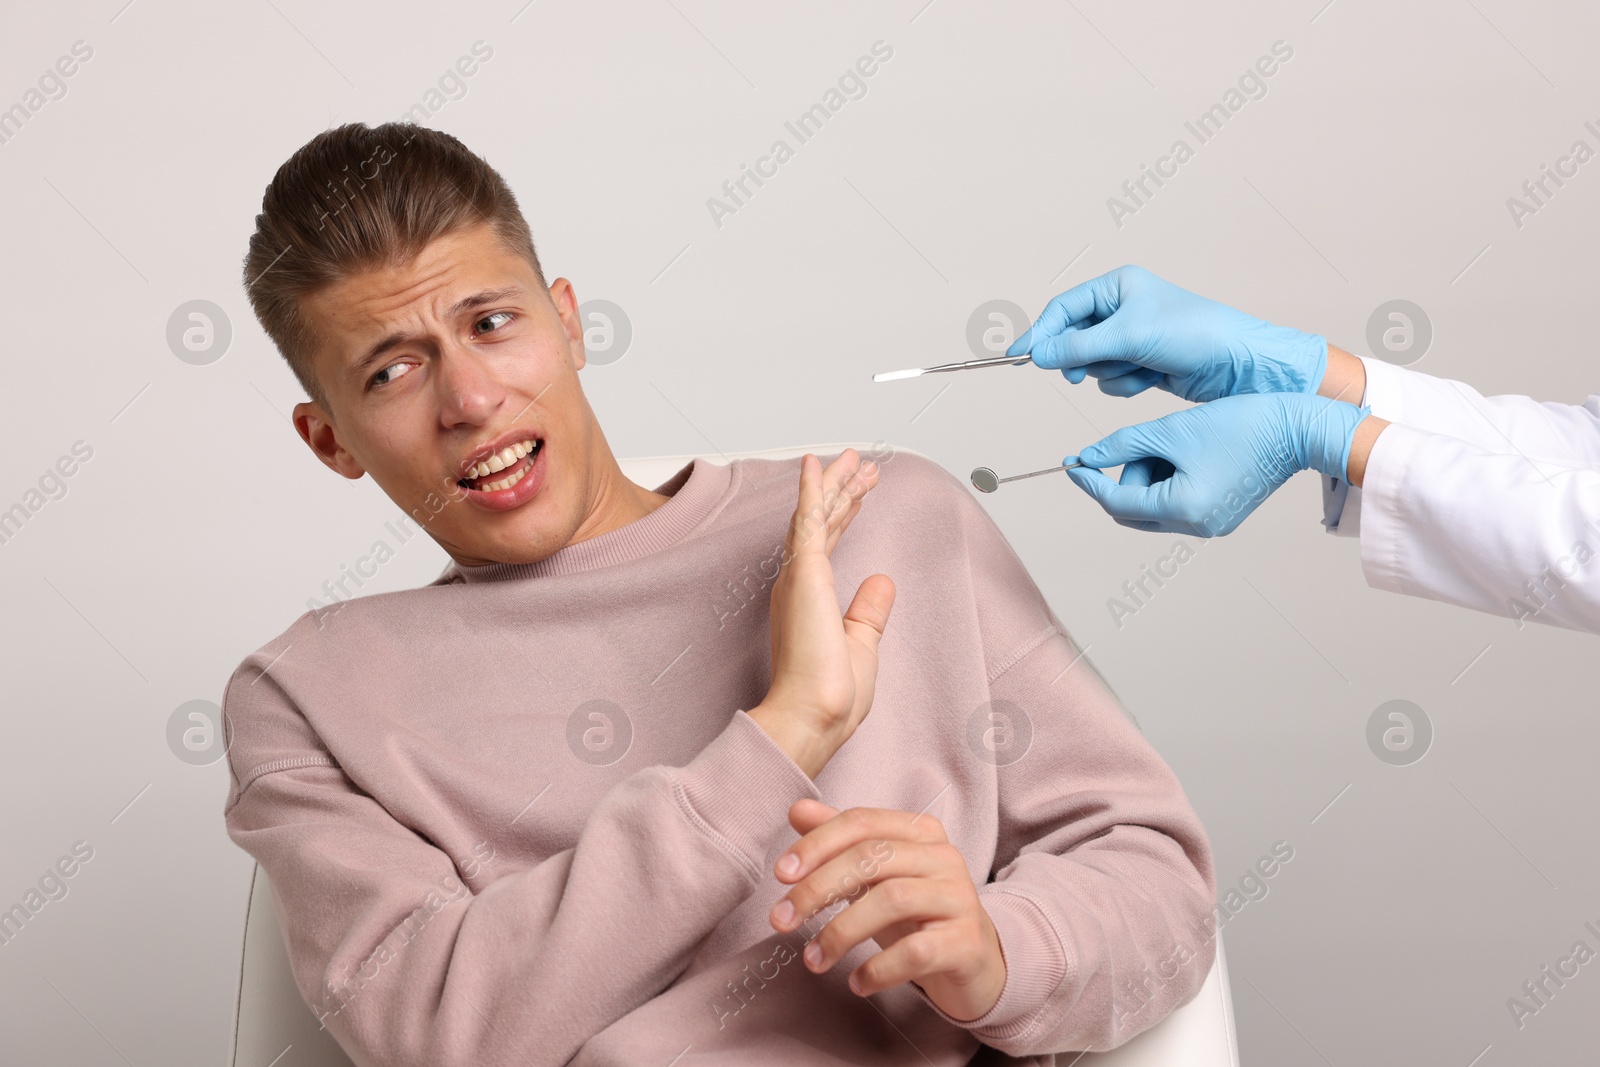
column 976, row 167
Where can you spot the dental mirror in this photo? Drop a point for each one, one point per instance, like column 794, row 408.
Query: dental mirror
column 985, row 480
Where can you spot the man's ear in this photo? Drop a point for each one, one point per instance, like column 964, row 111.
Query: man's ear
column 316, row 430
column 566, row 302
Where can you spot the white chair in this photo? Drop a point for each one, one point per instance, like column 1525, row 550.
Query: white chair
column 273, row 1026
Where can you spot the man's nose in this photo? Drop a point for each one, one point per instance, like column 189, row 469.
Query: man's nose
column 469, row 390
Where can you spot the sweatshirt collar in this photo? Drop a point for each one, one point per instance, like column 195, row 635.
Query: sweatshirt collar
column 695, row 493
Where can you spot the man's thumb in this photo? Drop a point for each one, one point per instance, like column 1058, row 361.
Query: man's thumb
column 868, row 613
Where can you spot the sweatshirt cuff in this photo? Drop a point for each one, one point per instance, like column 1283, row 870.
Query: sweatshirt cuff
column 1036, row 965
column 739, row 789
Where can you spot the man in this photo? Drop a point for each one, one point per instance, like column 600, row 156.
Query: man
column 544, row 810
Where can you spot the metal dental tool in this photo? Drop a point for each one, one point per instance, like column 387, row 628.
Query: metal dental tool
column 915, row 372
column 984, row 480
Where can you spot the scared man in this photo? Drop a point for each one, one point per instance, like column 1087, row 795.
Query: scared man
column 565, row 805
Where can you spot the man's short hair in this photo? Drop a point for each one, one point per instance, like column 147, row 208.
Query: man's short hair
column 357, row 198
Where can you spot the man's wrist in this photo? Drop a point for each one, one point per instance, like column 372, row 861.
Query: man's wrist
column 804, row 745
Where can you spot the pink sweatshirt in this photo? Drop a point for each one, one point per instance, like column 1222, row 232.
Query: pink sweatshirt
column 520, row 816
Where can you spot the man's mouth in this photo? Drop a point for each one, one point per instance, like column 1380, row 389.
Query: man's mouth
column 504, row 468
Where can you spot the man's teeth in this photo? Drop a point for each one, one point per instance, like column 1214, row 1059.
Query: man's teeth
column 501, row 459
column 507, row 482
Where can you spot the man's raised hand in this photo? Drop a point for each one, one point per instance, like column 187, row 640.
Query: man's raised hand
column 824, row 664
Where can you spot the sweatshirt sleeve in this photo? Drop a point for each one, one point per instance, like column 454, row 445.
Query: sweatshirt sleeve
column 407, row 965
column 1103, row 885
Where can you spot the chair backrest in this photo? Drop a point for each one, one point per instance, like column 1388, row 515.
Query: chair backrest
column 272, row 1018
column 1199, row 1034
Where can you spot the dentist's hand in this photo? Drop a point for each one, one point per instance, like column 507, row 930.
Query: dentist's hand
column 824, row 666
column 1131, row 330
column 1202, row 470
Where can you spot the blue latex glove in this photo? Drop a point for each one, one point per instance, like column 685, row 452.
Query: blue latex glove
column 1131, row 330
column 1203, row 469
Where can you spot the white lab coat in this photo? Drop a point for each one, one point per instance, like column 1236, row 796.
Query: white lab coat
column 1491, row 503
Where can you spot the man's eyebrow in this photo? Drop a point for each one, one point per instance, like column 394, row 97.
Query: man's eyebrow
column 476, row 300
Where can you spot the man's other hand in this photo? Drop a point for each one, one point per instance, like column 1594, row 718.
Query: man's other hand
column 907, row 888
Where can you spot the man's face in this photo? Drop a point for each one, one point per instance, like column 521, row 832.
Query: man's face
column 439, row 370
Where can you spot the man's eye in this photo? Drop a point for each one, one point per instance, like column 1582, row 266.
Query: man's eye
column 390, row 373
column 495, row 315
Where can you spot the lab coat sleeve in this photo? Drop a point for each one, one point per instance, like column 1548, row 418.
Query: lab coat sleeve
column 1509, row 534
column 1565, row 434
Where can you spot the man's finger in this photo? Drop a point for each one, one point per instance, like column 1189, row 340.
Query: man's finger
column 848, row 876
column 850, row 827
column 917, row 955
column 889, row 903
column 808, row 508
column 807, row 814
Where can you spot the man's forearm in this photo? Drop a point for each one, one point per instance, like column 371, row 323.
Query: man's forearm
column 1346, row 379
